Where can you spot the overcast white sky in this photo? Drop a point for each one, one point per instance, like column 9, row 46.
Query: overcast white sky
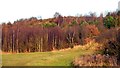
column 11, row 10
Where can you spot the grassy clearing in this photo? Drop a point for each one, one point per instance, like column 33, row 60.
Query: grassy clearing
column 55, row 58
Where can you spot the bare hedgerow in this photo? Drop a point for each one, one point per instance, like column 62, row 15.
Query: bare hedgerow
column 111, row 43
column 95, row 60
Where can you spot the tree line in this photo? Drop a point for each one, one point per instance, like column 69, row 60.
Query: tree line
column 40, row 35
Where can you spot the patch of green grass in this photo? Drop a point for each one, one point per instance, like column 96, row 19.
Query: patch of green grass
column 57, row 58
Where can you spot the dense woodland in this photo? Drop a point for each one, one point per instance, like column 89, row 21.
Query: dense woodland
column 59, row 32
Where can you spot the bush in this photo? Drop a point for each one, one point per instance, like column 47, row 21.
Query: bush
column 88, row 32
column 93, row 22
column 49, row 24
column 109, row 22
column 112, row 45
column 95, row 60
column 73, row 23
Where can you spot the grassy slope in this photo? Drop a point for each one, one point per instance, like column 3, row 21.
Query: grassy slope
column 56, row 58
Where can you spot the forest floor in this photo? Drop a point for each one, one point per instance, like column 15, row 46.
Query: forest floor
column 62, row 57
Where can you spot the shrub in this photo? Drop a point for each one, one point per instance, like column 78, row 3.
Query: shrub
column 112, row 45
column 93, row 22
column 73, row 23
column 95, row 60
column 110, row 21
column 88, row 32
column 49, row 24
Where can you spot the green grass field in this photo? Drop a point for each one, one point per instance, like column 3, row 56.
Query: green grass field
column 56, row 58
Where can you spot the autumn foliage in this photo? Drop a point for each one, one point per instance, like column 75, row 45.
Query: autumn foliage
column 40, row 35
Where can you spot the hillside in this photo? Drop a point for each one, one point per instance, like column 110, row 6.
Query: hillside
column 42, row 41
column 54, row 58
